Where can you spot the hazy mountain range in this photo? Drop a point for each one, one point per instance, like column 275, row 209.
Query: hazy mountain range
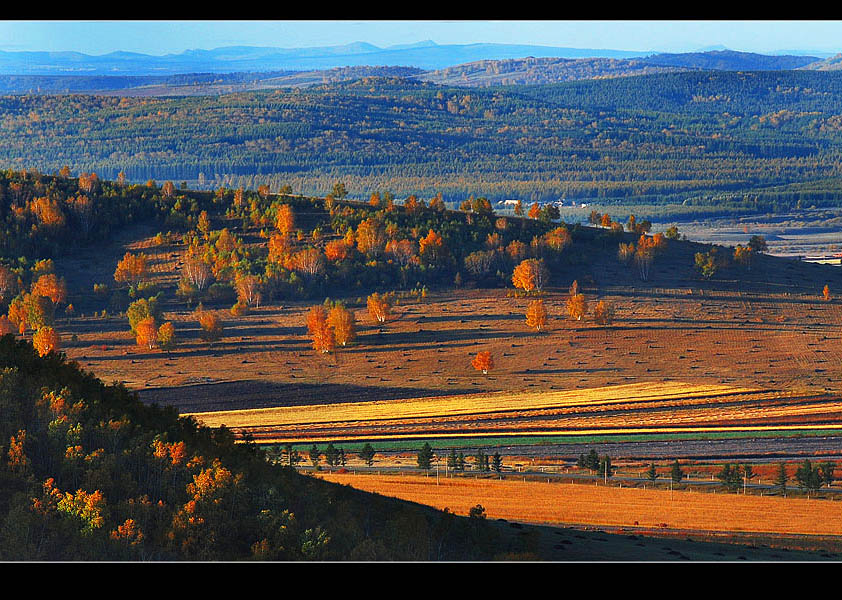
column 243, row 68
column 423, row 55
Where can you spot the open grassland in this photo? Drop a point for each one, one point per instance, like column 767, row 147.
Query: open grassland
column 597, row 505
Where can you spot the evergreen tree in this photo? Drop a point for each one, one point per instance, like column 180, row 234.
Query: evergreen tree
column 676, row 473
column 781, row 478
column 460, row 462
column 367, row 454
column 748, row 471
column 480, row 460
column 425, row 457
column 651, row 473
column 331, row 455
column 315, row 456
column 592, row 461
column 808, row 478
column 730, row 477
column 497, row 462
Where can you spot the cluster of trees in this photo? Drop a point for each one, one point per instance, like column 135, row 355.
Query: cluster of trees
column 643, row 255
column 676, row 473
column 482, row 462
column 88, row 472
column 810, row 478
column 31, row 293
column 330, row 325
column 708, row 263
column 593, row 463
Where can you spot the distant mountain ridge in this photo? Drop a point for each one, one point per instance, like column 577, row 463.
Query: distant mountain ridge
column 424, row 55
column 731, row 60
column 246, row 68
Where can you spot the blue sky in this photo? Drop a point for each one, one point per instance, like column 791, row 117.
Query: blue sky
column 163, row 37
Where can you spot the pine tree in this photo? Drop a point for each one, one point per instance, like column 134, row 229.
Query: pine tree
column 425, row 457
column 808, row 478
column 676, row 473
column 652, row 474
column 367, row 454
column 730, row 477
column 331, row 455
column 592, row 461
column 781, row 478
column 497, row 462
column 315, row 456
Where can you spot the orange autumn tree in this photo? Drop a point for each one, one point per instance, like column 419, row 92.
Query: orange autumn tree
column 530, row 275
column 146, row 333
column 320, row 331
column 211, row 326
column 558, row 239
column 45, row 340
column 249, row 289
column 280, row 247
column 336, row 250
column 51, row 287
column 132, row 269
column 285, row 219
column 536, row 315
column 577, row 306
column 534, row 211
column 379, row 306
column 166, row 336
column 743, row 255
column 483, row 362
column 371, row 237
column 431, row 248
column 603, row 313
column 343, row 323
column 826, row 293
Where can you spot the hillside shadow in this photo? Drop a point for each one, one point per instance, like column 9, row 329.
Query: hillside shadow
column 235, row 395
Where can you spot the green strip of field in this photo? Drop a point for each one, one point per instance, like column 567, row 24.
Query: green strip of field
column 496, row 442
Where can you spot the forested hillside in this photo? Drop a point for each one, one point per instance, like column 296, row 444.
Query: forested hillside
column 695, row 138
column 90, row 473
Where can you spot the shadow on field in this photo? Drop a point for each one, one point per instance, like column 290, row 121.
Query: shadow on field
column 199, row 349
column 404, row 339
column 235, row 395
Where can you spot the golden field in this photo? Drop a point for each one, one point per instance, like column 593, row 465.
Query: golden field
column 597, row 505
column 641, row 408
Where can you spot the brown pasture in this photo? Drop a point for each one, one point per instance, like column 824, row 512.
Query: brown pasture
column 781, row 342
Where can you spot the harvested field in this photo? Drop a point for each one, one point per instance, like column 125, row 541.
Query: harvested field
column 571, row 504
column 664, row 408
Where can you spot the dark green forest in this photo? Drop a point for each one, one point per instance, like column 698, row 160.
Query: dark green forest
column 739, row 140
